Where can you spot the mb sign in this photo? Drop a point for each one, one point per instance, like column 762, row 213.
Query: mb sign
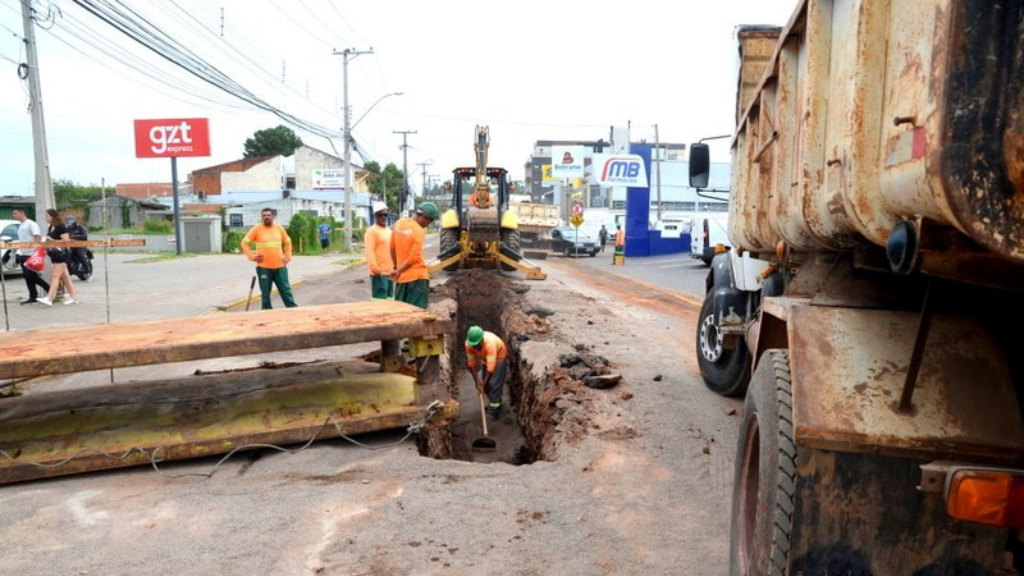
column 172, row 137
column 620, row 170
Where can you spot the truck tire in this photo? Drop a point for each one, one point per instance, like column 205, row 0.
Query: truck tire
column 510, row 242
column 725, row 372
column 449, row 239
column 764, row 482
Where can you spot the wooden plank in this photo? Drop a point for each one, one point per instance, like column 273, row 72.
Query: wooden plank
column 86, row 348
column 200, row 416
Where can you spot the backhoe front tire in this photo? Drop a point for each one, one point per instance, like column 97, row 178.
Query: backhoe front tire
column 725, row 371
column 449, row 239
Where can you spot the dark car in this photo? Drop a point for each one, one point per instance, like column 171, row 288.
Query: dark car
column 566, row 241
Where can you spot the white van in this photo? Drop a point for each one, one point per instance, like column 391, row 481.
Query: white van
column 709, row 236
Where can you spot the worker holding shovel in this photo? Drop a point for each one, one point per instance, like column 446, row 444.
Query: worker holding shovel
column 486, row 348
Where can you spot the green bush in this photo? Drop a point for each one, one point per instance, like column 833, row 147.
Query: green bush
column 158, row 227
column 303, row 232
column 233, row 241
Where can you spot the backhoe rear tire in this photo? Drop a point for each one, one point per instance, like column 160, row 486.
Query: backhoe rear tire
column 510, row 242
column 449, row 239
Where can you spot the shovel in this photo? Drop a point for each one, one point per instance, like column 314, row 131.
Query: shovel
column 252, row 286
column 484, row 443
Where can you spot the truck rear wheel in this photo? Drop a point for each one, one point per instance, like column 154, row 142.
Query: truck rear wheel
column 764, row 483
column 449, row 239
column 725, row 371
column 510, row 242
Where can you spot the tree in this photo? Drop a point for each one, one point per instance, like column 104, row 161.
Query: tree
column 67, row 194
column 272, row 142
column 386, row 183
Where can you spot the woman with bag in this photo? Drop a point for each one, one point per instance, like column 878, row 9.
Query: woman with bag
column 59, row 257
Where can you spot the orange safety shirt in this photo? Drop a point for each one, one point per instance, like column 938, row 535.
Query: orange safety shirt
column 408, row 238
column 492, row 352
column 378, row 250
column 620, row 237
column 270, row 241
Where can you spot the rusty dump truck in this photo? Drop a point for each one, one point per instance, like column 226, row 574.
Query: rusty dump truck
column 871, row 308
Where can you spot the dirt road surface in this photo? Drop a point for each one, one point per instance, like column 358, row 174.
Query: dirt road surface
column 636, row 478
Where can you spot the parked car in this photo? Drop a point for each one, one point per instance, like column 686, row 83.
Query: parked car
column 9, row 233
column 568, row 242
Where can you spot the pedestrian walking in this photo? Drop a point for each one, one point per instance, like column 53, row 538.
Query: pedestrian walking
column 378, row 254
column 57, row 232
column 28, row 231
column 486, row 353
column 412, row 280
column 602, row 235
column 325, row 236
column 79, row 256
column 273, row 252
column 620, row 243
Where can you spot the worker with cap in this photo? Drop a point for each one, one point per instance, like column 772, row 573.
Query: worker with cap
column 486, row 348
column 620, row 242
column 378, row 254
column 412, row 280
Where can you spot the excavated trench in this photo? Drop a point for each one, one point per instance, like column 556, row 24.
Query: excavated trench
column 545, row 400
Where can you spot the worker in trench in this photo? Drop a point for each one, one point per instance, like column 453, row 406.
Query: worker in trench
column 487, row 353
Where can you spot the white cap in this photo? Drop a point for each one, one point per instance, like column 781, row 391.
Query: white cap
column 379, row 207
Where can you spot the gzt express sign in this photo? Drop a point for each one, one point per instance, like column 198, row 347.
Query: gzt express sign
column 620, row 170
column 173, row 137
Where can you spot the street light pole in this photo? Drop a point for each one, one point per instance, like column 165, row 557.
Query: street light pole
column 346, row 55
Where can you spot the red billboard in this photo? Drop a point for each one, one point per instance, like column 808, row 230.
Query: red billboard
column 172, row 137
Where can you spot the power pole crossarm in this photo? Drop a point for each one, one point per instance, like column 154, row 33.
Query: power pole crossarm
column 405, row 166
column 348, row 54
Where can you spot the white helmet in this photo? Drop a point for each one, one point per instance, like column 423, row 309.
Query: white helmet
column 379, row 207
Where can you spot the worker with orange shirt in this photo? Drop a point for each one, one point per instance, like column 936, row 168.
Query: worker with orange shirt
column 378, row 254
column 487, row 350
column 273, row 252
column 408, row 235
column 620, row 242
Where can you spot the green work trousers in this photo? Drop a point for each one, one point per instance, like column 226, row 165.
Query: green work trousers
column 416, row 293
column 381, row 287
column 270, row 277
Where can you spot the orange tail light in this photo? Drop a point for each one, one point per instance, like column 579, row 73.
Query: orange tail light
column 987, row 497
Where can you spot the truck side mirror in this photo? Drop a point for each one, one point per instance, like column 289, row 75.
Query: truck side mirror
column 700, row 166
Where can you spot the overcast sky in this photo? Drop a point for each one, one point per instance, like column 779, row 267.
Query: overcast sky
column 531, row 70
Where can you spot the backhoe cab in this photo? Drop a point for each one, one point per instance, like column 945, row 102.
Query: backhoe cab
column 479, row 231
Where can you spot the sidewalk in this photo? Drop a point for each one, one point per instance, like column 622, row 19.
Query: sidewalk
column 149, row 290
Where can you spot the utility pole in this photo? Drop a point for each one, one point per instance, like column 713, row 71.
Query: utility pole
column 423, row 167
column 405, row 165
column 657, row 150
column 44, row 187
column 346, row 55
column 222, row 22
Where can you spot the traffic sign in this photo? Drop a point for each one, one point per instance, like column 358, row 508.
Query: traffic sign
column 576, row 220
column 577, row 209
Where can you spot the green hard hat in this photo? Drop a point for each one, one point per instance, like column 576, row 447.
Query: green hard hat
column 474, row 336
column 428, row 209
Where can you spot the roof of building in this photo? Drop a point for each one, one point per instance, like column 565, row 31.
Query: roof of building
column 240, row 165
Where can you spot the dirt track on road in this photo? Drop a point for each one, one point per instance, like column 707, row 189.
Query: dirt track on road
column 634, row 479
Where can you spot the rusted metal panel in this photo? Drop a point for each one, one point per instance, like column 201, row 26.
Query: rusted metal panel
column 85, row 348
column 757, row 45
column 200, row 416
column 849, row 368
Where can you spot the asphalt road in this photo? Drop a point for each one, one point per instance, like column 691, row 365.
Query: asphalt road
column 676, row 272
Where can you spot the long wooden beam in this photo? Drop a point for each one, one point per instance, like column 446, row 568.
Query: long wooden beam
column 81, row 349
column 199, row 416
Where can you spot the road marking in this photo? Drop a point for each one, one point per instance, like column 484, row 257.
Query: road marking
column 675, row 265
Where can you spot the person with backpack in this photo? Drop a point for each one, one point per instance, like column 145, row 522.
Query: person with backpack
column 79, row 256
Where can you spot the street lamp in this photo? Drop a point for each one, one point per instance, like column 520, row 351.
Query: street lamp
column 348, row 157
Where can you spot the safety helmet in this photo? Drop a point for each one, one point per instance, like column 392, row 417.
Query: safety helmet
column 428, row 209
column 71, row 221
column 474, row 336
column 379, row 207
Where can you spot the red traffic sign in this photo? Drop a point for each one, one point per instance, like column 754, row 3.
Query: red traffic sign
column 577, row 209
column 172, row 137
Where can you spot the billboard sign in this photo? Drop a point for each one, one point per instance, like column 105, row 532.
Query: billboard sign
column 327, row 178
column 620, row 170
column 172, row 137
column 567, row 161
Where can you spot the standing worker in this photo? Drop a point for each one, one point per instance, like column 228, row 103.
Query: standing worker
column 620, row 242
column 407, row 239
column 325, row 236
column 378, row 254
column 488, row 349
column 273, row 253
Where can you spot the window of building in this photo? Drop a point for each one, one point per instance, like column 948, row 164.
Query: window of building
column 236, row 221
